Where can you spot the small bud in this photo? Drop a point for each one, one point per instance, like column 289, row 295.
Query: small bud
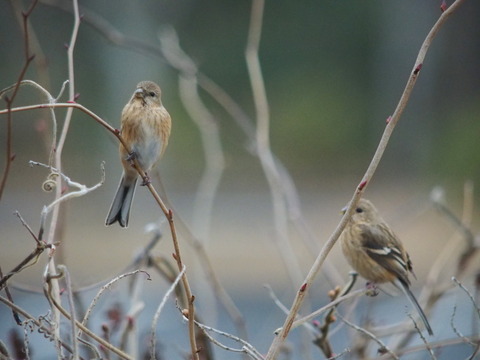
column 443, row 6
column 76, row 96
column 382, row 350
column 417, row 69
column 185, row 313
column 389, row 119
column 130, row 321
column 303, row 288
column 362, row 185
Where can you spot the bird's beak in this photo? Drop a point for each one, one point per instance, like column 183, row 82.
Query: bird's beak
column 344, row 210
column 139, row 93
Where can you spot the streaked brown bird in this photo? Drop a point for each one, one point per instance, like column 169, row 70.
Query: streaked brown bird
column 376, row 253
column 145, row 127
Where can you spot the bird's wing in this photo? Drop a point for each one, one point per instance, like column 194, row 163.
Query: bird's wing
column 382, row 245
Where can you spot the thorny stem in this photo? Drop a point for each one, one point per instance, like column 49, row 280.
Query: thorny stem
column 188, row 293
column 31, row 318
column 278, row 341
column 84, row 329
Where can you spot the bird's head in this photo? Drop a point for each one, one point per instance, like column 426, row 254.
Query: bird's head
column 364, row 211
column 148, row 92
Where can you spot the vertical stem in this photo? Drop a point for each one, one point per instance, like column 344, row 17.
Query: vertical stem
column 53, row 230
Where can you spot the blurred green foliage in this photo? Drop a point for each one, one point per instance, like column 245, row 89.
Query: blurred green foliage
column 334, row 72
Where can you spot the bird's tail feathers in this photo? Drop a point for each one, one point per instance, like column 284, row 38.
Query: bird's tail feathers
column 406, row 289
column 122, row 202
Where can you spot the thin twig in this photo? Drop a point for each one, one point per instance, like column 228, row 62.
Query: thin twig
column 27, row 262
column 102, row 290
column 129, row 333
column 51, row 100
column 322, row 339
column 383, row 347
column 153, row 339
column 284, row 309
column 9, row 156
column 41, row 328
column 452, row 324
column 420, row 334
column 316, row 313
column 9, row 297
column 88, row 332
column 442, row 344
column 70, row 104
column 246, row 346
column 470, row 296
column 40, row 60
column 71, row 305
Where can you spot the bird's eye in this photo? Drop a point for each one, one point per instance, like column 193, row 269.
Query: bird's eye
column 151, row 93
column 359, row 210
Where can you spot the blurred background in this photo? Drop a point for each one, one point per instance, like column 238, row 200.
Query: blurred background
column 334, row 71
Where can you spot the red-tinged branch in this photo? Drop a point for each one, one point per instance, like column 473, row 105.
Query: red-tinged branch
column 9, row 100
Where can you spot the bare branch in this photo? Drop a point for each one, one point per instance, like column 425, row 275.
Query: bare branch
column 246, row 348
column 103, row 289
column 316, row 313
column 383, row 347
column 470, row 296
